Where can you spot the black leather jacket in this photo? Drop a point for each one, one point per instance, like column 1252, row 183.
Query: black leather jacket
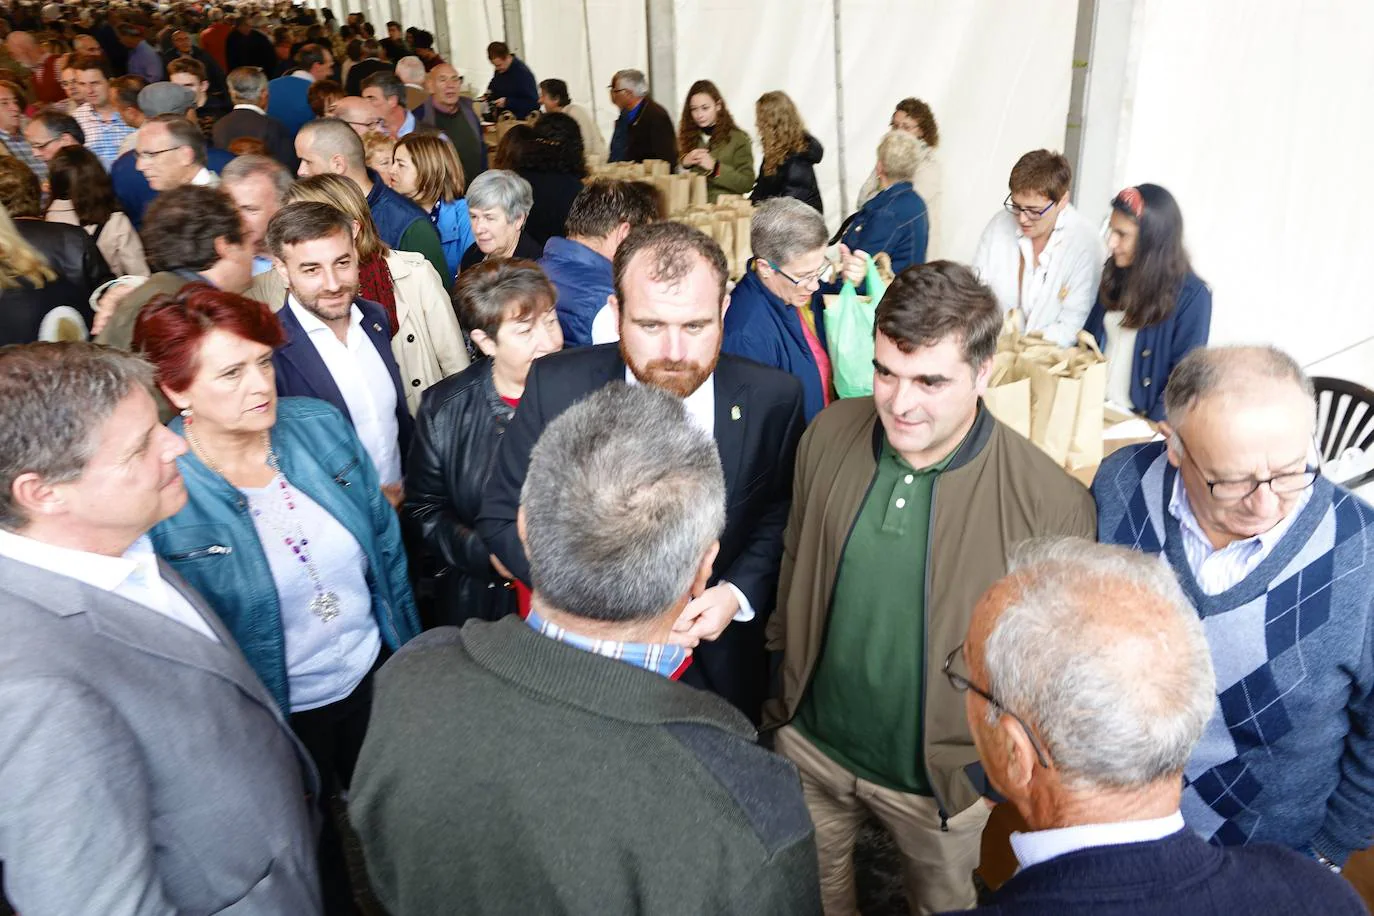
column 58, row 310
column 795, row 177
column 457, row 432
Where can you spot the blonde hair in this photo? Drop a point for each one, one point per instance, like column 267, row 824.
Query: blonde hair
column 899, row 153
column 781, row 130
column 376, row 143
column 343, row 195
column 438, row 170
column 20, row 261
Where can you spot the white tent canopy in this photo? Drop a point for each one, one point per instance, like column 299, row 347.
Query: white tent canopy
column 1247, row 110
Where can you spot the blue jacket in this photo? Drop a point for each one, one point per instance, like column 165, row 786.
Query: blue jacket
column 213, row 544
column 584, row 280
column 288, row 102
column 894, row 220
column 762, row 327
column 1160, row 347
column 133, row 190
column 301, row 373
column 393, row 213
column 455, row 234
column 517, row 86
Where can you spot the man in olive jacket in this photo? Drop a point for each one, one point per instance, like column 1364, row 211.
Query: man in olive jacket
column 904, row 508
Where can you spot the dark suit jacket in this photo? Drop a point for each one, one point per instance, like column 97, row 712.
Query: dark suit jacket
column 652, row 134
column 758, row 424
column 1180, row 875
column 245, row 122
column 143, row 767
column 301, row 373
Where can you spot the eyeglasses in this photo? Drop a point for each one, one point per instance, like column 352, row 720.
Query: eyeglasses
column 39, row 147
column 374, row 124
column 615, row 91
column 1230, row 491
column 824, row 274
column 146, row 154
column 961, row 683
column 1030, row 213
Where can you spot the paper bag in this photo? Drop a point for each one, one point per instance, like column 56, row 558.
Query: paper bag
column 1008, row 398
column 697, row 196
column 654, row 167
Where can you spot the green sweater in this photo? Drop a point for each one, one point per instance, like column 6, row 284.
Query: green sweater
column 736, row 161
column 506, row 773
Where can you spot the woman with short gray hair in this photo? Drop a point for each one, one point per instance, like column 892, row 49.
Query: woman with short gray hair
column 499, row 202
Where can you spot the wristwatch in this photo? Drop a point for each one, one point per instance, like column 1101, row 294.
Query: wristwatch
column 1335, row 869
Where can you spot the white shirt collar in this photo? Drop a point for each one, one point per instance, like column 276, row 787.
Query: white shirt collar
column 205, row 178
column 303, row 75
column 313, row 324
column 1035, row 847
column 249, row 107
column 700, row 404
column 103, row 572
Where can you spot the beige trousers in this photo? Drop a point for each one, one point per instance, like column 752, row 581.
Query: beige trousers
column 937, row 866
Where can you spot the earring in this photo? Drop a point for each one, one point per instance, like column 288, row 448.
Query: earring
column 186, row 415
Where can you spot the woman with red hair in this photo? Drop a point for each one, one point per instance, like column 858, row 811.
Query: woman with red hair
column 285, row 531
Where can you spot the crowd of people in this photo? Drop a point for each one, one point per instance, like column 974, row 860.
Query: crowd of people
column 361, row 474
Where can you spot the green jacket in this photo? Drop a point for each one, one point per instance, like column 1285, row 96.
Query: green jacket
column 734, row 166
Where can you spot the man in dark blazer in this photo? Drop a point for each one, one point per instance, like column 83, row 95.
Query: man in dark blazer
column 144, row 768
column 1089, row 738
column 644, row 129
column 249, row 118
column 338, row 344
column 670, row 283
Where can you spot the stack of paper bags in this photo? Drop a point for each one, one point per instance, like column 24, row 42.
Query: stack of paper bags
column 1052, row 395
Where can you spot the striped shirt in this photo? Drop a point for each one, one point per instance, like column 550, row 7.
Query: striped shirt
column 1217, row 571
column 661, row 658
column 103, row 135
column 20, row 149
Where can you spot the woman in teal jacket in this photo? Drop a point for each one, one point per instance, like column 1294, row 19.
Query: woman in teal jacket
column 285, row 530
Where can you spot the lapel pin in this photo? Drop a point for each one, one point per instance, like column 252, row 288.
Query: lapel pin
column 377, row 327
column 735, row 412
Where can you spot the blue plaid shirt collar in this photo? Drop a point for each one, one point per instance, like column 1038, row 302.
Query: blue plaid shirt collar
column 18, row 145
column 665, row 659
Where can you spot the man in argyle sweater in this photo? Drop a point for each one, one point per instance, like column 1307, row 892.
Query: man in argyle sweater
column 1279, row 564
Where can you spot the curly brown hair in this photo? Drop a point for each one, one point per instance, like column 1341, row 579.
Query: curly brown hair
column 688, row 133
column 781, row 130
column 920, row 112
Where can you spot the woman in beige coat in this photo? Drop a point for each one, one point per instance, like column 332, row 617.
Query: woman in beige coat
column 82, row 195
column 425, row 337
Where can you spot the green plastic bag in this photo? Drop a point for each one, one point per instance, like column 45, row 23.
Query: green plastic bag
column 849, row 335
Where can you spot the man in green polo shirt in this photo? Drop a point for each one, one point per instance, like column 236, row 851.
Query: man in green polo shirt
column 905, row 507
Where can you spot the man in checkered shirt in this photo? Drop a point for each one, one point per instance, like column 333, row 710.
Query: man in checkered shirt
column 99, row 119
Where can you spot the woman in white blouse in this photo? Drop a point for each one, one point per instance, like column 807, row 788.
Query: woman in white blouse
column 82, row 195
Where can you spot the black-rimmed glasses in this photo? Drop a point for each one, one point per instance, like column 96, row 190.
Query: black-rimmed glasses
column 961, row 683
column 374, row 124
column 821, row 275
column 1232, row 491
column 1029, row 213
column 146, row 154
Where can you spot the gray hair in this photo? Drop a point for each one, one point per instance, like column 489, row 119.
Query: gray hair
column 329, row 137
column 899, row 153
column 1212, row 371
column 246, row 84
column 633, row 80
column 623, row 498
column 241, row 168
column 784, row 227
column 500, row 189
column 54, row 397
column 411, row 69
column 1101, row 652
column 181, row 132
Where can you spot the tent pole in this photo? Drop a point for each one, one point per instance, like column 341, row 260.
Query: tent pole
column 514, row 24
column 1098, row 122
column 591, row 67
column 839, row 110
column 661, row 25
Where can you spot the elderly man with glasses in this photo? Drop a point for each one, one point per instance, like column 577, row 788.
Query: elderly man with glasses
column 1279, row 563
column 1090, row 737
column 1039, row 254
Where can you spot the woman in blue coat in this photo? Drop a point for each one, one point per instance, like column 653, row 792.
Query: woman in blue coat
column 1151, row 308
column 285, row 530
column 895, row 219
column 426, row 168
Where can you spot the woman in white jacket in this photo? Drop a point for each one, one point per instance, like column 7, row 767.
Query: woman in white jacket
column 425, row 337
column 914, row 117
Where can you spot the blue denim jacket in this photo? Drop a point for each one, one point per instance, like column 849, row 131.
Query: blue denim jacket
column 213, row 544
column 894, row 220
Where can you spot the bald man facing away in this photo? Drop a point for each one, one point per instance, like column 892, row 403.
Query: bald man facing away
column 1088, row 737
column 1279, row 563
column 330, row 145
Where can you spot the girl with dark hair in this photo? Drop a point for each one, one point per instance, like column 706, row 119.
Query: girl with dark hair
column 709, row 143
column 1151, row 308
column 554, row 165
column 82, row 195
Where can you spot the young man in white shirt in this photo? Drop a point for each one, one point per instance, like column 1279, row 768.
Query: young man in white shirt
column 1040, row 254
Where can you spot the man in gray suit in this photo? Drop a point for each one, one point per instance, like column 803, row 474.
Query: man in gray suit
column 143, row 767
